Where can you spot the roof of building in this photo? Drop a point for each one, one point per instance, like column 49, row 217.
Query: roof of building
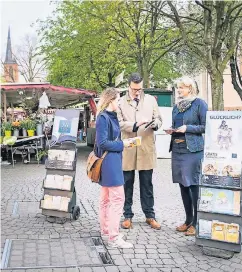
column 157, row 90
column 9, row 59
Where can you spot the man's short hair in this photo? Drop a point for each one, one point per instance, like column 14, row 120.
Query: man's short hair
column 135, row 78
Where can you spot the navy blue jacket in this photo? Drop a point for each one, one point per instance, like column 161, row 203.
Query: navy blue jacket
column 108, row 138
column 195, row 120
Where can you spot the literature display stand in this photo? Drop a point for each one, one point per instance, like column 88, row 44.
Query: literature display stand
column 220, row 189
column 59, row 191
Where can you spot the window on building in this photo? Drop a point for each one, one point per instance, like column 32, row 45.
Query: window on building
column 11, row 73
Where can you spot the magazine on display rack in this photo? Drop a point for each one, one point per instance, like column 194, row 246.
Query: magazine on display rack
column 220, row 201
column 65, row 126
column 223, row 135
column 221, row 173
column 219, row 231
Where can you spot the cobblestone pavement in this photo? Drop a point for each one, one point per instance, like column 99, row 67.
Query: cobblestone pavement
column 35, row 241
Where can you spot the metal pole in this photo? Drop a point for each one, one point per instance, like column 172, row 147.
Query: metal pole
column 5, row 105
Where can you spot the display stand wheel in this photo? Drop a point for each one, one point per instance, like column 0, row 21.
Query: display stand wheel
column 219, row 253
column 76, row 212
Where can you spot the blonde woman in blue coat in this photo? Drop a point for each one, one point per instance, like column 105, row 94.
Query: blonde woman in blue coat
column 108, row 138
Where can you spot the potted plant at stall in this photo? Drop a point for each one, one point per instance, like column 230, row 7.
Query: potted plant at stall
column 42, row 156
column 16, row 127
column 23, row 127
column 7, row 128
column 31, row 127
column 40, row 120
column 39, row 127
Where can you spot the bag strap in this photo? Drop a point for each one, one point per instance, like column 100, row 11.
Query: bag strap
column 104, row 154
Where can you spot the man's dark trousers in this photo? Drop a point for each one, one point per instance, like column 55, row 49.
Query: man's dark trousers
column 146, row 193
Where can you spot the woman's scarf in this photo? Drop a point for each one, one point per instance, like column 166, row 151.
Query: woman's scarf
column 185, row 104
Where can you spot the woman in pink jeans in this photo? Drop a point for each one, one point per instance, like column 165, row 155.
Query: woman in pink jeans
column 112, row 180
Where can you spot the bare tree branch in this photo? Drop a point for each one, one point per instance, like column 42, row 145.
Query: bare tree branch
column 234, row 76
column 203, row 6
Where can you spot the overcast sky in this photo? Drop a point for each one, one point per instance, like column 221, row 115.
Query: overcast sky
column 19, row 15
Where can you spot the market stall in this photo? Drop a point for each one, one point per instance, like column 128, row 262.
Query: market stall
column 38, row 102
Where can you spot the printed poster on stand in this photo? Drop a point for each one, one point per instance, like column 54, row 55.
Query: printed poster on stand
column 223, row 135
column 65, row 125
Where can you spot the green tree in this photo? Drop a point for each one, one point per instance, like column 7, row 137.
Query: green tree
column 89, row 43
column 78, row 51
column 210, row 30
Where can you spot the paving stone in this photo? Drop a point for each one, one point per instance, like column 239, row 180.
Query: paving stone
column 164, row 256
column 137, row 261
column 98, row 269
column 150, row 261
column 142, row 251
column 125, row 269
column 85, row 269
column 114, row 252
column 152, row 256
column 205, row 267
column 193, row 269
column 140, row 256
column 128, row 251
column 163, row 251
column 152, row 246
column 119, row 261
column 180, row 261
column 139, row 246
column 190, row 259
column 112, row 269
column 237, row 266
column 168, row 261
column 175, row 255
column 212, row 269
column 227, row 268
column 215, row 264
column 151, row 251
column 128, row 256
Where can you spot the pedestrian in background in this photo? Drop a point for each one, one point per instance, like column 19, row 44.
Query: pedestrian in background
column 108, row 138
column 187, row 143
column 135, row 111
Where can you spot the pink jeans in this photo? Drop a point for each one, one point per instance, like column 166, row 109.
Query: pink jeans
column 110, row 210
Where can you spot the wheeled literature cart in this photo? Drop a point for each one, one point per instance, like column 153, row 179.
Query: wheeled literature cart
column 220, row 189
column 59, row 198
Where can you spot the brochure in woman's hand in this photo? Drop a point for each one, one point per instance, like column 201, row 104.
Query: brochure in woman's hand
column 170, row 130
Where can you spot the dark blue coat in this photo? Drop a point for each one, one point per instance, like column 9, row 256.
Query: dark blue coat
column 108, row 138
column 195, row 120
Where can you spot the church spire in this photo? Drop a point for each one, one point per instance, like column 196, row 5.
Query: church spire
column 9, row 55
